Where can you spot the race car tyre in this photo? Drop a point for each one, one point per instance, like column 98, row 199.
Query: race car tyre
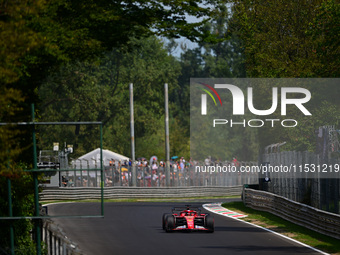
column 164, row 219
column 169, row 223
column 209, row 223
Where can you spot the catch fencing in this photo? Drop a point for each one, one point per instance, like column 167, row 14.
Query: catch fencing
column 318, row 220
column 148, row 177
column 319, row 192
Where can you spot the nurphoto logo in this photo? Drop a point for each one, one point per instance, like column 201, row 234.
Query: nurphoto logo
column 238, row 99
column 301, row 97
column 245, row 118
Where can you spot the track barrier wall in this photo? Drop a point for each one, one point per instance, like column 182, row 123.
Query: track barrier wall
column 131, row 192
column 318, row 220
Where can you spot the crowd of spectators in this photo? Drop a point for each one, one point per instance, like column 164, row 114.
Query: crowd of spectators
column 151, row 173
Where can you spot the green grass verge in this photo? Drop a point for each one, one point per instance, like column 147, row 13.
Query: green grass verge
column 277, row 224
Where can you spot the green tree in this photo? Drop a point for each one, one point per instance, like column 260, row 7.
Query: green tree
column 9, row 148
column 16, row 38
column 40, row 38
column 12, row 171
column 295, row 39
column 274, row 37
column 99, row 91
column 324, row 30
column 37, row 38
column 225, row 57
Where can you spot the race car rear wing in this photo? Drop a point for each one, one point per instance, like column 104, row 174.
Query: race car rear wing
column 186, row 207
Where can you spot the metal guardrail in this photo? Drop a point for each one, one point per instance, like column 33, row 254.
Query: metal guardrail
column 320, row 221
column 131, row 192
column 56, row 241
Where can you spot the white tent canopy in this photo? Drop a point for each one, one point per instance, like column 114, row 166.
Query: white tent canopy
column 92, row 159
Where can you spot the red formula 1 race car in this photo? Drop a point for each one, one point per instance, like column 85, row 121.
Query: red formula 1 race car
column 187, row 218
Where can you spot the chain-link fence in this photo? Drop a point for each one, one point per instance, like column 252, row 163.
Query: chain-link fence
column 310, row 180
column 221, row 175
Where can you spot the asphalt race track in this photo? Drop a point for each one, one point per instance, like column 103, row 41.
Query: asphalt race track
column 135, row 228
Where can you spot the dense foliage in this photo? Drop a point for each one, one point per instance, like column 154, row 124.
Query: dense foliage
column 75, row 60
column 40, row 39
column 99, row 91
column 292, row 39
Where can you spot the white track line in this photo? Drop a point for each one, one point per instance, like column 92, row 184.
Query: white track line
column 206, row 207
